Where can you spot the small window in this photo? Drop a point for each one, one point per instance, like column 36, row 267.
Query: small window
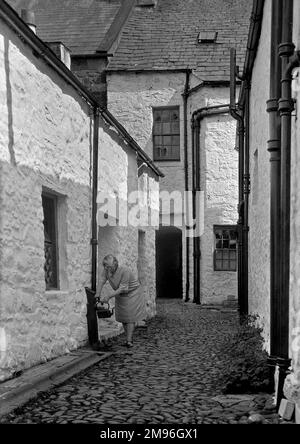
column 225, row 253
column 207, row 37
column 166, row 133
column 50, row 241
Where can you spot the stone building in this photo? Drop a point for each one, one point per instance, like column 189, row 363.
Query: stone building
column 269, row 107
column 168, row 83
column 58, row 150
column 168, row 60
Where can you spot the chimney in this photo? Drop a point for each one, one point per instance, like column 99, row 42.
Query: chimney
column 61, row 51
column 28, row 17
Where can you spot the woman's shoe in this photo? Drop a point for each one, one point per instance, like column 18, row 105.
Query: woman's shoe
column 127, row 344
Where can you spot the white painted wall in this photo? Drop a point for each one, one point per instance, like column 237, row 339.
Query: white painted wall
column 46, row 142
column 259, row 199
column 295, row 227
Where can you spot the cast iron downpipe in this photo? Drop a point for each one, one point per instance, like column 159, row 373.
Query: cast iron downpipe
column 239, row 116
column 91, row 312
column 197, row 116
column 241, row 113
column 286, row 106
column 274, row 150
column 186, row 178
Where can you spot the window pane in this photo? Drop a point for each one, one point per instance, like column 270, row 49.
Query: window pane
column 157, row 128
column 166, row 128
column 157, row 116
column 232, row 244
column 218, row 265
column 175, row 152
column 233, row 234
column 219, row 243
column 166, row 115
column 157, row 141
column 225, row 234
column 219, row 255
column 225, row 243
column 167, row 140
column 175, row 127
column 218, row 234
column 225, row 265
column 232, row 255
column 232, row 265
column 175, row 115
column 175, row 140
column 50, row 264
column 225, row 254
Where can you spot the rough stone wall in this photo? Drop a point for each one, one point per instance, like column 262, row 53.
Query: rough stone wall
column 295, row 226
column 46, row 144
column 219, row 181
column 131, row 97
column 259, row 199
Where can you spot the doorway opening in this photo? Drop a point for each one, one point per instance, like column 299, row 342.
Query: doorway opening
column 169, row 262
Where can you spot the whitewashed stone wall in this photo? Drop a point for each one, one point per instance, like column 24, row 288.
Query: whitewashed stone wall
column 46, row 144
column 131, row 97
column 294, row 379
column 259, row 201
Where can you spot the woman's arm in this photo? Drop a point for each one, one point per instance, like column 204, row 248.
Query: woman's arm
column 123, row 287
column 101, row 282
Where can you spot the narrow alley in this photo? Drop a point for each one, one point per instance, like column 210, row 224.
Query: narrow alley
column 171, row 376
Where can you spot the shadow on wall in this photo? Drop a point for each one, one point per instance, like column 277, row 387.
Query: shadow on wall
column 9, row 102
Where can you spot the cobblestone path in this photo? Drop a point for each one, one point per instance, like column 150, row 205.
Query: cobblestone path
column 170, row 376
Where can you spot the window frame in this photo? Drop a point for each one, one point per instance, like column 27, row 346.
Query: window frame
column 223, row 228
column 54, row 198
column 166, row 159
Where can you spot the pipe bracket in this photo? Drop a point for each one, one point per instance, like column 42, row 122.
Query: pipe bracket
column 286, row 49
column 285, row 105
column 272, row 105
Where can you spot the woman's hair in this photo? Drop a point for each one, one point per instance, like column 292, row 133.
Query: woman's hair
column 110, row 260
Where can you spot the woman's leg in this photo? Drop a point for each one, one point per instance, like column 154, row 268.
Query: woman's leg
column 125, row 328
column 129, row 331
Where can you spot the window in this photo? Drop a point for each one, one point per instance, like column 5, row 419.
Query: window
column 207, row 37
column 50, row 241
column 225, row 254
column 166, row 133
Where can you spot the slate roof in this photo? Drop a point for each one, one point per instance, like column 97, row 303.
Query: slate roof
column 80, row 24
column 165, row 37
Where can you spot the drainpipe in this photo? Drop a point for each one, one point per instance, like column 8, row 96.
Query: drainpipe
column 186, row 177
column 286, row 106
column 237, row 112
column 91, row 312
column 274, row 150
column 246, row 183
column 197, row 116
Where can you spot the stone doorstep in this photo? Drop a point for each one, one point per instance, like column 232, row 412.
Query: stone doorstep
column 16, row 392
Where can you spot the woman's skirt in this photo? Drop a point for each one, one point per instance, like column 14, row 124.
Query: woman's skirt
column 130, row 307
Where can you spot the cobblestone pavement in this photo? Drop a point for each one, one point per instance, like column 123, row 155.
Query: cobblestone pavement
column 171, row 376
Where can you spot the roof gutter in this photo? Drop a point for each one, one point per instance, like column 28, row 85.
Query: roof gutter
column 252, row 44
column 41, row 50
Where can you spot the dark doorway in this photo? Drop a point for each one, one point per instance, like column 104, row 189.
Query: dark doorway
column 169, row 262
